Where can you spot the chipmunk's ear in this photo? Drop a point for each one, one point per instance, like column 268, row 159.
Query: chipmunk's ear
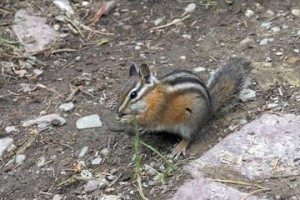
column 133, row 70
column 145, row 73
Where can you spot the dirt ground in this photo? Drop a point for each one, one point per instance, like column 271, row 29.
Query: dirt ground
column 216, row 34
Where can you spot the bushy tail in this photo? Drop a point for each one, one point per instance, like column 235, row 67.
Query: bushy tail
column 227, row 81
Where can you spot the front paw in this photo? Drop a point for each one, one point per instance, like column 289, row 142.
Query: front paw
column 127, row 119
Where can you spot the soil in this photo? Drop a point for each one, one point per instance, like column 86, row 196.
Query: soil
column 99, row 70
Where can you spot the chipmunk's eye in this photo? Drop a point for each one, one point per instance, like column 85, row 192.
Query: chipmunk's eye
column 133, row 94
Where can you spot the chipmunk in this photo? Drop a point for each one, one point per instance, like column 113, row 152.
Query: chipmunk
column 178, row 102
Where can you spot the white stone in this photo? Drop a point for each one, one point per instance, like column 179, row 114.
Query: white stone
column 38, row 72
column 296, row 12
column 182, row 57
column 10, row 129
column 57, row 197
column 264, row 41
column 249, row 13
column 89, row 121
column 158, row 21
column 190, row 8
column 67, row 106
column 97, row 161
column 272, row 105
column 137, row 47
column 46, row 119
column 56, row 27
column 91, row 186
column 275, row 29
column 105, row 151
column 12, row 147
column 83, row 151
column 85, row 3
column 5, row 144
column 41, row 161
column 110, row 197
column 187, row 36
column 199, row 69
column 20, row 159
column 247, row 95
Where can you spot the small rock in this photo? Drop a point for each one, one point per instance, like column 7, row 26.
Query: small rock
column 26, row 87
column 190, row 8
column 110, row 197
column 158, row 21
column 83, row 151
column 85, row 3
column 187, row 36
column 156, row 178
column 247, row 43
column 111, row 177
column 57, row 197
column 247, row 95
column 10, row 129
column 137, row 47
column 278, row 53
column 64, row 5
column 199, row 69
column 264, row 41
column 67, row 106
column 103, row 183
column 5, row 144
column 11, row 148
column 243, row 121
column 109, row 5
column 91, row 186
column 38, row 72
column 272, row 105
column 56, row 27
column 269, row 14
column 105, row 151
column 284, row 26
column 41, row 161
column 275, row 29
column 268, row 59
column 249, row 13
column 46, row 119
column 298, row 33
column 296, row 12
column 113, row 171
column 90, row 121
column 296, row 50
column 20, row 159
column 266, row 25
column 229, row 2
column 96, row 161
column 152, row 183
column 182, row 57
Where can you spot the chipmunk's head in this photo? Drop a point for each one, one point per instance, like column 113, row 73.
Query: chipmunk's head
column 140, row 82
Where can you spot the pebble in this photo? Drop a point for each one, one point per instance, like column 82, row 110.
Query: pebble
column 158, row 21
column 296, row 12
column 137, row 47
column 105, row 151
column 91, row 186
column 96, row 161
column 296, row 50
column 247, row 95
column 38, row 72
column 284, row 26
column 270, row 13
column 272, row 105
column 67, row 106
column 249, row 13
column 111, row 177
column 10, row 129
column 278, row 53
column 266, row 25
column 187, row 36
column 243, row 121
column 103, row 183
column 182, row 57
column 5, row 144
column 85, row 3
column 275, row 29
column 20, row 159
column 41, row 161
column 190, row 8
column 247, row 43
column 83, row 151
column 89, row 121
column 199, row 69
column 57, row 197
column 25, row 87
column 11, row 148
column 110, row 197
column 298, row 33
column 113, row 171
column 264, row 41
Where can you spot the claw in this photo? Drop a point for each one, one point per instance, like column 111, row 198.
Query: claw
column 127, row 119
column 179, row 149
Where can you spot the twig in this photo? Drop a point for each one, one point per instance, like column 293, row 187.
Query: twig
column 62, row 50
column 99, row 14
column 116, row 179
column 49, row 89
column 238, row 183
column 255, row 192
column 170, row 24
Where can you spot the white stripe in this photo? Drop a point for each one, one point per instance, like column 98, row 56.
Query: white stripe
column 186, row 86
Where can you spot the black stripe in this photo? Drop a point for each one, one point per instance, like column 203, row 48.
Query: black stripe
column 184, row 79
column 177, row 71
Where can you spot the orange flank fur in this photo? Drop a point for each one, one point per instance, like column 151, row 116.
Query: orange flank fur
column 172, row 112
